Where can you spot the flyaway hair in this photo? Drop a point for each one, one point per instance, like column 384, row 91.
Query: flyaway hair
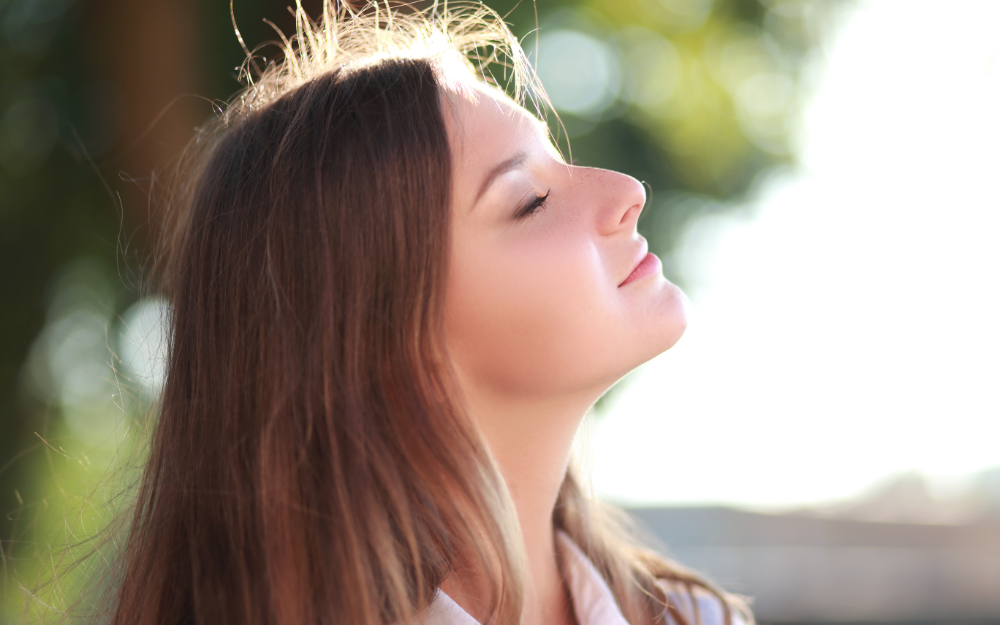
column 448, row 35
column 311, row 460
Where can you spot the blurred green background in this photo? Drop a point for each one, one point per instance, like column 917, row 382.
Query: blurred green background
column 696, row 98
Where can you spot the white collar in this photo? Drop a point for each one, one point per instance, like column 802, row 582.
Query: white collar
column 593, row 601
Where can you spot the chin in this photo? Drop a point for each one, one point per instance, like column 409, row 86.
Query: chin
column 659, row 328
column 669, row 319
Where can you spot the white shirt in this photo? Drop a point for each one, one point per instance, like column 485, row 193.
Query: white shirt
column 593, row 601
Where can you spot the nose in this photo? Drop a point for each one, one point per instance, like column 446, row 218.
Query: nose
column 620, row 200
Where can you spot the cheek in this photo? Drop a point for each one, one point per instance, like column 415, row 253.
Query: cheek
column 528, row 314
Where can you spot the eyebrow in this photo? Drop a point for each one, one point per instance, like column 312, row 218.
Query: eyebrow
column 500, row 169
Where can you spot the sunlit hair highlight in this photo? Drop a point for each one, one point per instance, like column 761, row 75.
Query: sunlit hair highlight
column 451, row 35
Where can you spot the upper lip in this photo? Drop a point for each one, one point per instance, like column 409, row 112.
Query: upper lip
column 640, row 255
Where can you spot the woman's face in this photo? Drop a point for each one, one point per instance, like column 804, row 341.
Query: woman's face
column 539, row 299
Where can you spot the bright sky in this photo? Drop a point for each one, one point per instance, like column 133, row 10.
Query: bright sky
column 851, row 329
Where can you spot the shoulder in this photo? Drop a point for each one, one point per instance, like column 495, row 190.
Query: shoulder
column 698, row 606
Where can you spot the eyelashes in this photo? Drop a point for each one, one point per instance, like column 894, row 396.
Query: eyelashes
column 534, row 206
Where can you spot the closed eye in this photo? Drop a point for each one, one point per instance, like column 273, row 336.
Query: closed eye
column 534, row 206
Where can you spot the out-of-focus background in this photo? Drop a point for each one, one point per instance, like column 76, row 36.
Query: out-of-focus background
column 822, row 181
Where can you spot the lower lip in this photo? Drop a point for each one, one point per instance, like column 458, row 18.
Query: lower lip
column 649, row 266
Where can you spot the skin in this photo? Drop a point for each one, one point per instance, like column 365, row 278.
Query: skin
column 535, row 320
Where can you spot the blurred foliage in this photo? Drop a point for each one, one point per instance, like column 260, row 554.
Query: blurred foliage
column 695, row 98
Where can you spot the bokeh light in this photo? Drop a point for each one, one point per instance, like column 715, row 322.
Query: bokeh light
column 581, row 73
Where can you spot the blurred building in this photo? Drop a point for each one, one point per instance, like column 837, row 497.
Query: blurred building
column 822, row 566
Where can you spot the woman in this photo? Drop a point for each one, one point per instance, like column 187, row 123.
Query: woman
column 393, row 303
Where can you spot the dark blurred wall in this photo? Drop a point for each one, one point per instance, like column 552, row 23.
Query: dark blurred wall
column 153, row 53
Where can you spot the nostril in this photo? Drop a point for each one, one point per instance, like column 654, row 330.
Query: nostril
column 634, row 197
column 631, row 216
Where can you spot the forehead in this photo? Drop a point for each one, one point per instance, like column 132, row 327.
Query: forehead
column 484, row 124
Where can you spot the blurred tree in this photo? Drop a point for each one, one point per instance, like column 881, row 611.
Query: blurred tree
column 693, row 97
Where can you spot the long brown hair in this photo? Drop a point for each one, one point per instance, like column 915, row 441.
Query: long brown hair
column 311, row 462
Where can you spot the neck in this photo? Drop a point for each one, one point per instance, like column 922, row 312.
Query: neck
column 531, row 440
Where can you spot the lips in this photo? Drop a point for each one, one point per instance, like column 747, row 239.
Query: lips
column 646, row 264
